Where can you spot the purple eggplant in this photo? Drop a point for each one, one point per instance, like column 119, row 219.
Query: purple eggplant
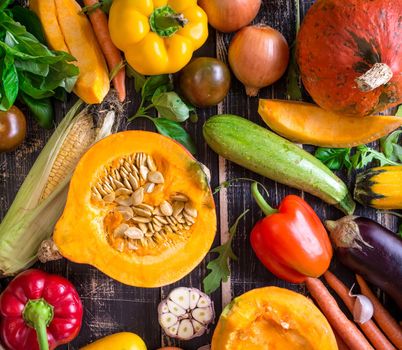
column 370, row 250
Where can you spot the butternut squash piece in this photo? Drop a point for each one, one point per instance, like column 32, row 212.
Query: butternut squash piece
column 272, row 317
column 380, row 187
column 139, row 208
column 307, row 123
column 93, row 82
column 46, row 11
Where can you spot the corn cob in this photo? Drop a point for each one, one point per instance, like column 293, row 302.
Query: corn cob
column 380, row 187
column 41, row 198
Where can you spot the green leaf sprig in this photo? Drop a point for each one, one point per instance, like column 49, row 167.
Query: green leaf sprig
column 104, row 5
column 219, row 267
column 157, row 93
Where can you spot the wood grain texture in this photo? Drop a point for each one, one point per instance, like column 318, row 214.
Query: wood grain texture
column 112, row 307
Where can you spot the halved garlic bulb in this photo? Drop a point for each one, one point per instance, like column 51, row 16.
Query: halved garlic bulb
column 186, row 313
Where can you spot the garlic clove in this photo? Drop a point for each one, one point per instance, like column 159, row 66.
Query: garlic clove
column 172, row 331
column 363, row 309
column 203, row 315
column 181, row 296
column 204, row 301
column 186, row 330
column 175, row 309
column 198, row 327
column 194, row 297
column 168, row 320
column 163, row 308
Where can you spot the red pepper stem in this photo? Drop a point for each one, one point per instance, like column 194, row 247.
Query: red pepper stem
column 262, row 203
column 38, row 314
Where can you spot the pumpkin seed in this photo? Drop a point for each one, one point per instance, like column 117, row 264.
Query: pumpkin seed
column 116, row 174
column 177, row 208
column 141, row 219
column 143, row 227
column 127, row 167
column 157, row 212
column 123, row 192
column 96, row 196
column 137, row 197
column 127, row 184
column 134, row 233
column 151, row 164
column 133, row 181
column 101, row 190
column 110, row 182
column 146, row 206
column 123, row 200
column 168, row 229
column 157, row 227
column 142, row 212
column 151, row 227
column 189, row 218
column 118, row 183
column 109, row 198
column 120, row 247
column 149, row 187
column 124, row 173
column 119, row 230
column 166, row 208
column 156, row 177
column 160, row 220
column 190, row 210
column 144, row 242
column 149, row 234
column 179, row 197
column 107, row 188
column 132, row 246
column 144, row 172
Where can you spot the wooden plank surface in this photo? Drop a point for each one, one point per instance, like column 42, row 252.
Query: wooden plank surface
column 110, row 306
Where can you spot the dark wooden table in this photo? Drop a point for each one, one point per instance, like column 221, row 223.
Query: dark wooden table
column 111, row 307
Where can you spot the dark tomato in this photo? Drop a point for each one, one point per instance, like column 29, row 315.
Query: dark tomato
column 13, row 128
column 205, row 81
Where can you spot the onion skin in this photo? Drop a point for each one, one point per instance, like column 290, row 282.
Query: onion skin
column 229, row 16
column 258, row 56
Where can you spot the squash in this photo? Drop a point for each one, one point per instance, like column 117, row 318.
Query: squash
column 349, row 64
column 272, row 317
column 380, row 187
column 309, row 124
column 66, row 29
column 139, row 208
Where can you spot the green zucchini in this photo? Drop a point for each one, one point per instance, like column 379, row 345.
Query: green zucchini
column 260, row 150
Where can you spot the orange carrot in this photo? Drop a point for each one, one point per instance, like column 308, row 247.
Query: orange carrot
column 340, row 342
column 369, row 328
column 383, row 318
column 350, row 334
column 112, row 54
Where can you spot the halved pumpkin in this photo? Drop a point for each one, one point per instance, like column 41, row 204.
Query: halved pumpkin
column 139, row 208
column 272, row 317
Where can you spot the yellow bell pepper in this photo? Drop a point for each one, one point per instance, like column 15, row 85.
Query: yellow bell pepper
column 118, row 341
column 157, row 36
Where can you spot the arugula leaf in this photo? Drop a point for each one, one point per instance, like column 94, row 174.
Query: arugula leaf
column 219, row 267
column 334, row 158
column 170, row 106
column 399, row 111
column 30, row 21
column 175, row 131
column 9, row 86
column 152, row 84
column 390, row 146
column 365, row 155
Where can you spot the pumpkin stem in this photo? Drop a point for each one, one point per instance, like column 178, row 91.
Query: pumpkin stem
column 379, row 74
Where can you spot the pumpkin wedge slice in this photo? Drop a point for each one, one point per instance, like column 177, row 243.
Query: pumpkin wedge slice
column 139, row 208
column 309, row 124
column 272, row 317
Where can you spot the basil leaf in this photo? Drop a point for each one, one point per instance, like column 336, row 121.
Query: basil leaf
column 34, row 67
column 139, row 79
column 152, row 84
column 4, row 4
column 30, row 21
column 175, row 131
column 9, row 83
column 170, row 106
column 334, row 158
column 42, row 110
column 390, row 146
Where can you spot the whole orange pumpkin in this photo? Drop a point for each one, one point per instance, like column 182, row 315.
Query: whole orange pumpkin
column 350, row 55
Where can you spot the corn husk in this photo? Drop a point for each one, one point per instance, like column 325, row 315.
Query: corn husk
column 42, row 196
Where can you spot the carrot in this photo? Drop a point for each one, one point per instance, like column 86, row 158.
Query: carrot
column 383, row 318
column 369, row 328
column 340, row 342
column 112, row 54
column 350, row 334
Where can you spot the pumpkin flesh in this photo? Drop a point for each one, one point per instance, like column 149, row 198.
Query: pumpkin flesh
column 333, row 53
column 272, row 317
column 88, row 229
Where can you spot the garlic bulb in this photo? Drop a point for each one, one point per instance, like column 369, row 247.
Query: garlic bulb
column 186, row 313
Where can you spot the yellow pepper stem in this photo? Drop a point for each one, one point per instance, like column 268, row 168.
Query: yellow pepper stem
column 165, row 21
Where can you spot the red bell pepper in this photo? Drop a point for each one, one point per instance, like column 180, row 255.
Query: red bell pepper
column 39, row 311
column 291, row 242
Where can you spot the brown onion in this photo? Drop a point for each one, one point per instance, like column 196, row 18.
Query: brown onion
column 230, row 15
column 258, row 56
